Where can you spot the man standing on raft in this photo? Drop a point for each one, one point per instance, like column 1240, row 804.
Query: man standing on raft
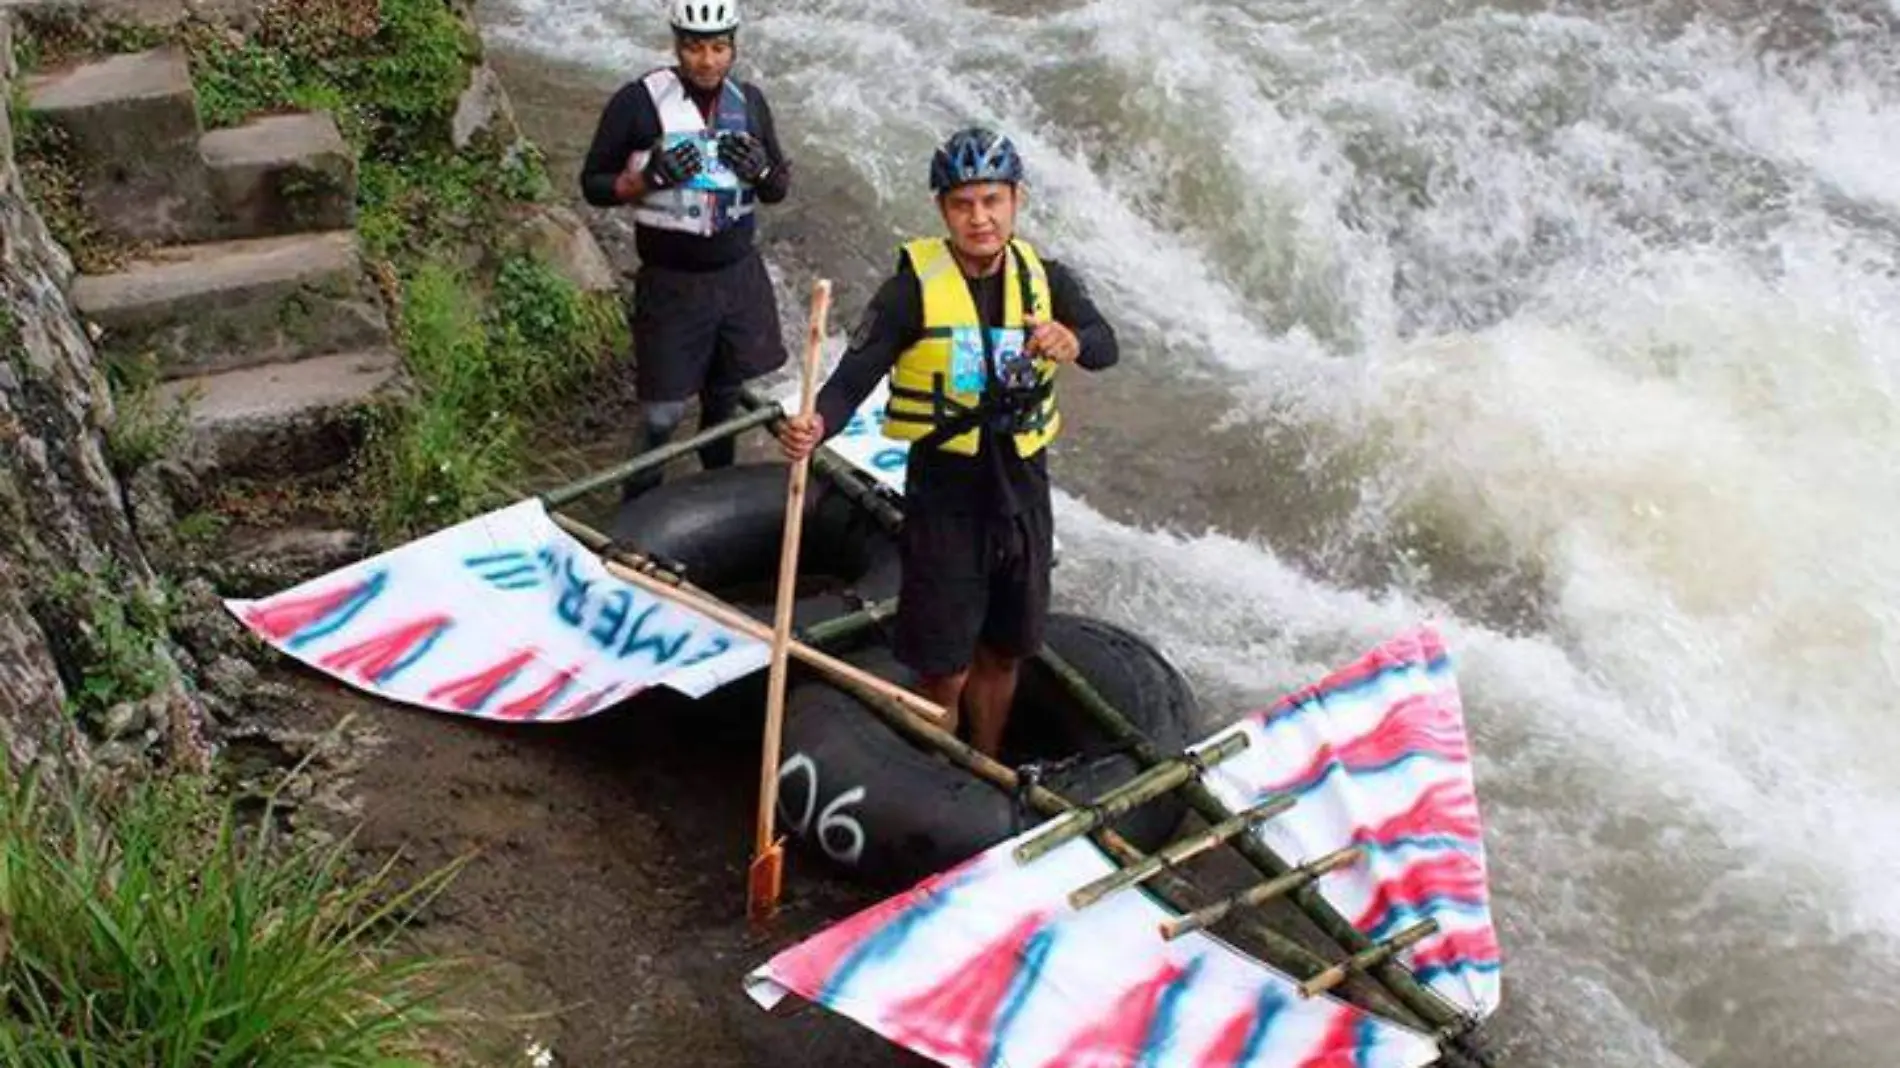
column 971, row 331
column 693, row 149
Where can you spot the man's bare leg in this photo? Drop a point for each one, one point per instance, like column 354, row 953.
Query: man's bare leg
column 946, row 691
column 992, row 689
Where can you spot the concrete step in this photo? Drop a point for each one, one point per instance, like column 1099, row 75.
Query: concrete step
column 282, row 174
column 130, row 127
column 230, row 304
column 282, row 419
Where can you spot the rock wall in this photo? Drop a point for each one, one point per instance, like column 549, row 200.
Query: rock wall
column 68, row 553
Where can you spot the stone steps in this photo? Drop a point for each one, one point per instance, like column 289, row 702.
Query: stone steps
column 148, row 172
column 225, row 305
column 281, row 174
column 282, row 419
column 131, row 130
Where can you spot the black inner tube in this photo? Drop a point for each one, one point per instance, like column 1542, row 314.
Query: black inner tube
column 724, row 528
column 889, row 811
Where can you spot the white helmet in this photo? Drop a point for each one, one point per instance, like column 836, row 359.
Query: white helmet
column 705, row 16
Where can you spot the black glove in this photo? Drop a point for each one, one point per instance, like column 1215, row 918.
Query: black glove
column 676, row 165
column 746, row 156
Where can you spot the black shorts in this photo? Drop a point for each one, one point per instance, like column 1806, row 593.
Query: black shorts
column 697, row 329
column 970, row 580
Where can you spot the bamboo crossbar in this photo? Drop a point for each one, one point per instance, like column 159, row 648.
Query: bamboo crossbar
column 836, row 629
column 1391, row 989
column 1131, row 795
column 1258, row 894
column 1177, row 853
column 1368, row 958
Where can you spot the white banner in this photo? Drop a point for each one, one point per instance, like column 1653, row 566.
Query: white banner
column 502, row 617
column 862, row 442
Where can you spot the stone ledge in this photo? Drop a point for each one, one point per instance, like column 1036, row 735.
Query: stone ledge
column 160, row 74
column 281, row 419
column 131, row 123
column 185, row 272
column 282, row 174
column 229, row 304
column 558, row 235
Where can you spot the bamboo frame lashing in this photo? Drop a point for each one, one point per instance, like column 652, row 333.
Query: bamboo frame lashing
column 1386, row 988
column 1177, row 853
column 1138, row 791
column 1279, row 950
column 1258, row 894
column 1368, row 958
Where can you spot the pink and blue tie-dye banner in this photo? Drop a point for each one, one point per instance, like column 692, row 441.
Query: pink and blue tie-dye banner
column 1377, row 755
column 987, row 965
column 503, row 617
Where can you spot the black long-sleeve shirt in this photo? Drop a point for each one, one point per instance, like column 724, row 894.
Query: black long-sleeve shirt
column 631, row 123
column 997, row 482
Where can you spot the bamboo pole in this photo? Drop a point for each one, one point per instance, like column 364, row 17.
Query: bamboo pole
column 836, row 629
column 603, row 546
column 1130, row 795
column 564, row 495
column 846, row 480
column 1368, row 958
column 850, row 625
column 1177, row 853
column 1259, row 894
column 744, row 624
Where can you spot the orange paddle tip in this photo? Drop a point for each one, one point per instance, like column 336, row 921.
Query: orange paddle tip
column 764, row 884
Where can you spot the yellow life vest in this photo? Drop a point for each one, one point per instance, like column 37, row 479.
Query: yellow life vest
column 945, row 373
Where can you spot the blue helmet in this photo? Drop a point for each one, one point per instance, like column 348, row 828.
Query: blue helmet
column 974, row 155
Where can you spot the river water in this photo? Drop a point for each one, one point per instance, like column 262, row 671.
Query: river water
column 1575, row 329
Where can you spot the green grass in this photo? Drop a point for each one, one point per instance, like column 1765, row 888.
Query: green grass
column 387, row 71
column 478, row 370
column 159, row 928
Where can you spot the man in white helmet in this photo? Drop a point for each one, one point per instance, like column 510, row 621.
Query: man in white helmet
column 693, row 150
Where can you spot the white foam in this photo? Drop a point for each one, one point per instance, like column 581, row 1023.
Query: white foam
column 1615, row 308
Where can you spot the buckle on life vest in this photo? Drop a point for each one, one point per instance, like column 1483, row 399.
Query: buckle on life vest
column 1015, row 403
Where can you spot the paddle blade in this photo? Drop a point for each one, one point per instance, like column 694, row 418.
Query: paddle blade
column 764, row 882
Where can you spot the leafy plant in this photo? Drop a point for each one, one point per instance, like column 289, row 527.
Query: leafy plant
column 157, row 927
column 121, row 629
column 146, row 425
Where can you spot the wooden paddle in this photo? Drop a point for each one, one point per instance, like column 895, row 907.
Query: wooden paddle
column 767, row 876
